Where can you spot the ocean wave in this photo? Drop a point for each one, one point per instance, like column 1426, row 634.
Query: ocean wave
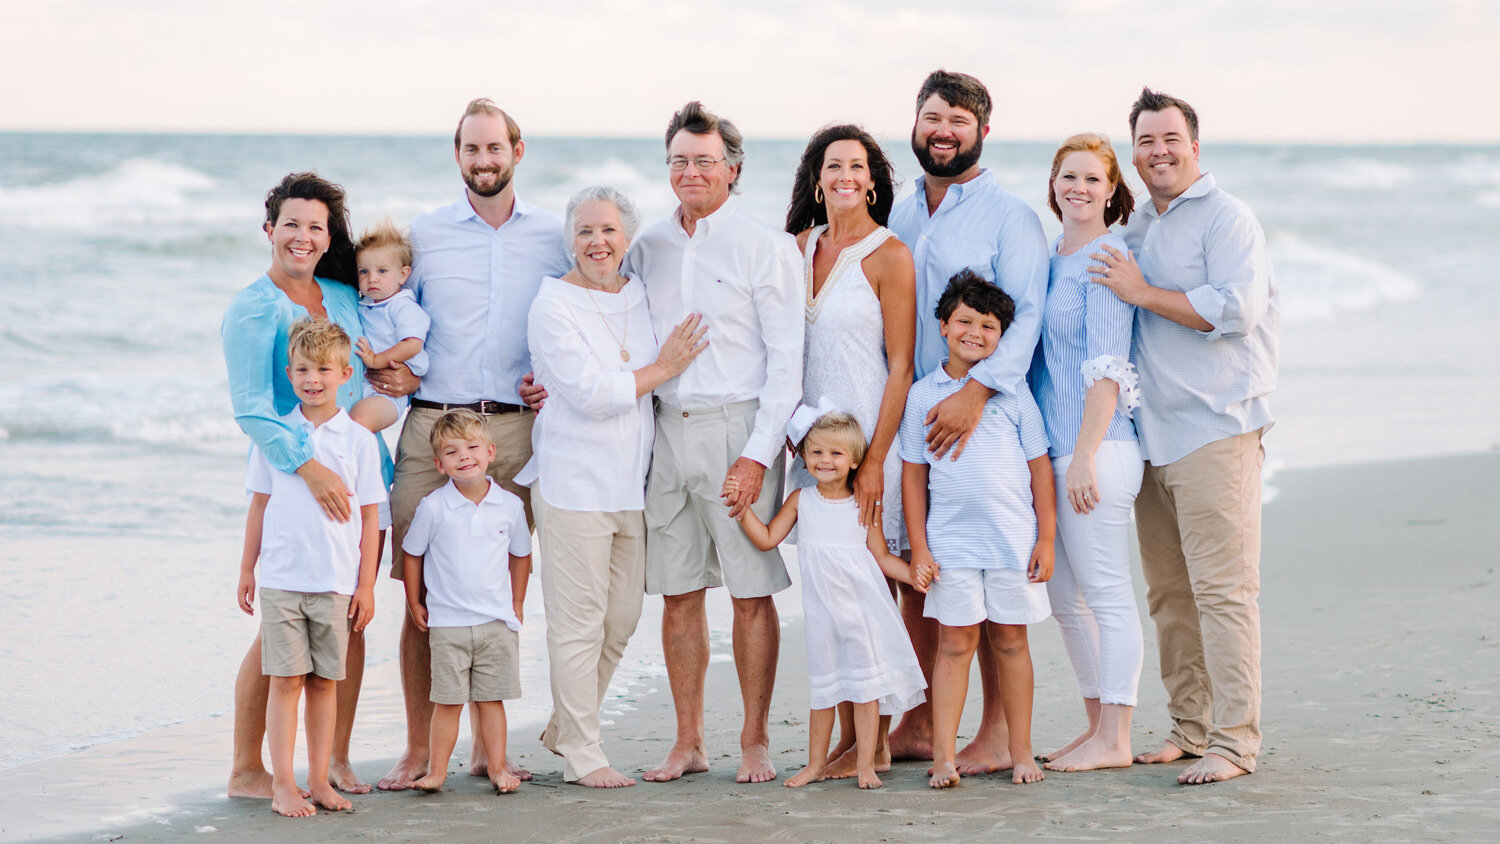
column 1360, row 173
column 1318, row 281
column 136, row 191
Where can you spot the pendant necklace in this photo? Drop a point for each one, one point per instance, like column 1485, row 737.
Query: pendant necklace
column 619, row 341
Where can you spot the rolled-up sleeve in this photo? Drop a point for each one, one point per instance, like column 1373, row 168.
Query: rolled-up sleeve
column 1020, row 269
column 778, row 303
column 569, row 369
column 249, row 333
column 1238, row 292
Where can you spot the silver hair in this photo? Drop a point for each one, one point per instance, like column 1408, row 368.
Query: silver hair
column 629, row 217
column 698, row 120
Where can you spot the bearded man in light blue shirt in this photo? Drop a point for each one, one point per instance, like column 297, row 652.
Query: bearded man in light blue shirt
column 1207, row 323
column 960, row 218
column 477, row 265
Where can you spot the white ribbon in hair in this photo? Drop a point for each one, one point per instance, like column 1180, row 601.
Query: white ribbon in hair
column 802, row 421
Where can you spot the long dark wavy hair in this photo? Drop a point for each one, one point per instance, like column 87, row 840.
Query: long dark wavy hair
column 804, row 212
column 337, row 264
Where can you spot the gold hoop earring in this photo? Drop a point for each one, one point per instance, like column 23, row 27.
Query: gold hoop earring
column 818, row 194
column 871, row 197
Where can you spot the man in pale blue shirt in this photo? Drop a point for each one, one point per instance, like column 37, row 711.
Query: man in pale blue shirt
column 1206, row 329
column 960, row 218
column 476, row 268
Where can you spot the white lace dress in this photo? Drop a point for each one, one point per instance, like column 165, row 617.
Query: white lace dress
column 857, row 647
column 845, row 360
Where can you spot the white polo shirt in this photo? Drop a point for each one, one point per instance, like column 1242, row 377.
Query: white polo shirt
column 467, row 549
column 301, row 549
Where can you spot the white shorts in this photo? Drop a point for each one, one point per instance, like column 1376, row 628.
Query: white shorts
column 963, row 597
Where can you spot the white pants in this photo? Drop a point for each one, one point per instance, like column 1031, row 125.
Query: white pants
column 1092, row 596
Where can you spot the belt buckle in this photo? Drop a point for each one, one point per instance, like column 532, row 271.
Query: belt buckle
column 488, row 407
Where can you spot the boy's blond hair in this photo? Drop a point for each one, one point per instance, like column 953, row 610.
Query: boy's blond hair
column 385, row 235
column 457, row 425
column 318, row 340
column 843, row 429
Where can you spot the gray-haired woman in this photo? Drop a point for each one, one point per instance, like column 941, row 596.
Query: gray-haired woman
column 593, row 347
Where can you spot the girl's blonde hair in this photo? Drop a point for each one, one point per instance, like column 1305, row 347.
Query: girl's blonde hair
column 845, row 430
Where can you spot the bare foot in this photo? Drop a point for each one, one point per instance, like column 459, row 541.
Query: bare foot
column 1026, row 771
column 408, row 768
column 847, row 764
column 908, row 744
column 481, row 768
column 755, row 765
column 250, row 784
column 867, row 779
column 505, row 782
column 1067, row 748
column 605, row 777
column 342, row 777
column 982, row 757
column 1168, row 752
column 943, row 776
column 289, row 802
column 1211, row 768
column 679, row 761
column 324, row 795
column 1091, row 756
column 839, row 750
column 432, row 783
column 812, row 773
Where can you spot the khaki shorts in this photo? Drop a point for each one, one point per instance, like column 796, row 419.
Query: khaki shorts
column 475, row 663
column 303, row 633
column 691, row 543
column 416, row 476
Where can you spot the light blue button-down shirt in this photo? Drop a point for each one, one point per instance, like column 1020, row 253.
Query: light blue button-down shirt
column 984, row 227
column 477, row 284
column 1198, row 387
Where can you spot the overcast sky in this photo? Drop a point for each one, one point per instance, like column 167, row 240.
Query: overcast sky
column 1293, row 70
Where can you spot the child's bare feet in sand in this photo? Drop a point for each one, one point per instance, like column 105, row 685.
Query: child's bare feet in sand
column 1091, row 756
column 326, row 796
column 479, row 767
column 505, row 782
column 1168, row 752
column 431, row 783
column 847, row 764
column 812, row 773
column 868, row 779
column 680, row 760
column 288, row 801
column 342, row 777
column 944, row 775
column 1026, row 771
column 1211, row 768
column 984, row 755
column 605, row 777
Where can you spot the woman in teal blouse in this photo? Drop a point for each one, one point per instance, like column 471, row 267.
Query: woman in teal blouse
column 312, row 274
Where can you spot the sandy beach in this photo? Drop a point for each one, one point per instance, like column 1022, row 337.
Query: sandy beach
column 1382, row 670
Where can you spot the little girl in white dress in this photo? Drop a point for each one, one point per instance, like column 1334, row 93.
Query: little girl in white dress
column 857, row 647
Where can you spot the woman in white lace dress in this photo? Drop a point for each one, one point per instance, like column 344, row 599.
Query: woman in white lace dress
column 861, row 321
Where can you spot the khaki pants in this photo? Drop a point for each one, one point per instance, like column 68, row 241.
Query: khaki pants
column 1199, row 524
column 593, row 572
column 416, row 475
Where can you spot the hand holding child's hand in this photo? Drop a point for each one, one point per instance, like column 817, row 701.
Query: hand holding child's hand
column 362, row 607
column 364, row 351
column 418, row 616
column 245, row 592
column 924, row 572
column 1039, row 570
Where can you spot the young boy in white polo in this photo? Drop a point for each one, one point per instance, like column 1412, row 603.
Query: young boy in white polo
column 315, row 573
column 985, row 540
column 469, row 546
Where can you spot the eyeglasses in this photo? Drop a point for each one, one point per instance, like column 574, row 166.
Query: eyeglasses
column 679, row 163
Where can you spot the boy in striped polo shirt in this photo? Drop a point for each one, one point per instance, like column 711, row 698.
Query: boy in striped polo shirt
column 988, row 528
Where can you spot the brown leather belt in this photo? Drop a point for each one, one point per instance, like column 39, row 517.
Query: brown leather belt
column 483, row 408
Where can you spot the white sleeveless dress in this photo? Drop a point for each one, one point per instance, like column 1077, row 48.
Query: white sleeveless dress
column 857, row 647
column 844, row 361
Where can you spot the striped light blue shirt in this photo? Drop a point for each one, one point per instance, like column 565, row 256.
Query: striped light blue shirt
column 984, row 227
column 1199, row 387
column 477, row 284
column 1082, row 322
column 979, row 508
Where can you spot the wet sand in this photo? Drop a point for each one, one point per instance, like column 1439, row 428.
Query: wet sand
column 1382, row 669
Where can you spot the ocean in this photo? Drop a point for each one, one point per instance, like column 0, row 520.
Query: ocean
column 119, row 458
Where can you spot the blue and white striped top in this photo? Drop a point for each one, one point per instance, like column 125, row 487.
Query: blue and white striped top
column 979, row 508
column 1199, row 387
column 1085, row 336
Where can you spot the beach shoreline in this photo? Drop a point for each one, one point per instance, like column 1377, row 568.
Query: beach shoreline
column 1382, row 668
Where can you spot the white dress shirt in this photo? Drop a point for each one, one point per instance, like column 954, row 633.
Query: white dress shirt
column 477, row 283
column 745, row 278
column 301, row 549
column 591, row 444
column 466, row 550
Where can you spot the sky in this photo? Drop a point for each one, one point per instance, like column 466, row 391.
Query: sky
column 1337, row 71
